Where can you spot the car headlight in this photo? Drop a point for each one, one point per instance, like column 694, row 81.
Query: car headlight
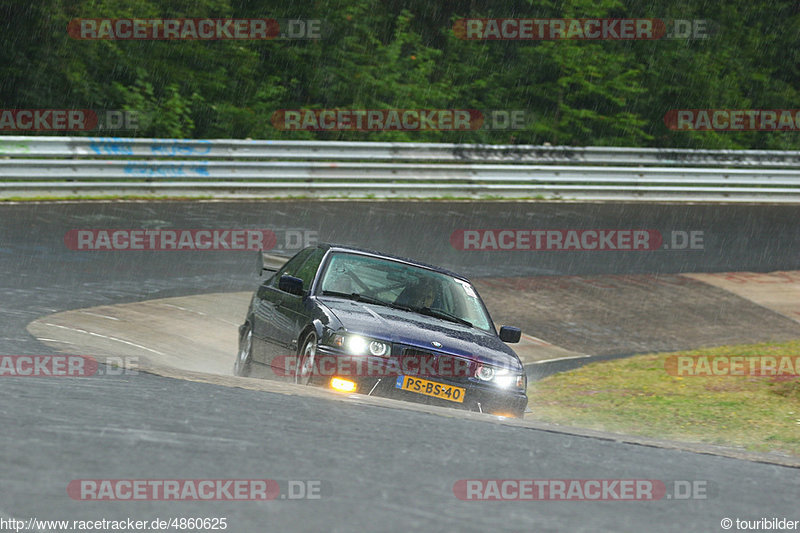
column 502, row 377
column 484, row 373
column 378, row 348
column 358, row 345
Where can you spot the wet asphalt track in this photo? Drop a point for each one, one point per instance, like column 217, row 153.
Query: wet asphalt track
column 381, row 469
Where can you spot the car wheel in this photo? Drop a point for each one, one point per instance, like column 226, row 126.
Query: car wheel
column 245, row 357
column 306, row 360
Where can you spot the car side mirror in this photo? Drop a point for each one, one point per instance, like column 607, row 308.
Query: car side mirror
column 291, row 284
column 510, row 334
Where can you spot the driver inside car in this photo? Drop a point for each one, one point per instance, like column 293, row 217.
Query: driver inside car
column 420, row 295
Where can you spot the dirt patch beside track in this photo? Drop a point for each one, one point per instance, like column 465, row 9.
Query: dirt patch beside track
column 778, row 291
column 603, row 315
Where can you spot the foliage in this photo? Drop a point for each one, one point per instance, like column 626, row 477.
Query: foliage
column 405, row 55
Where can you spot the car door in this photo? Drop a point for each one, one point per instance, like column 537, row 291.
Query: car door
column 267, row 311
column 294, row 312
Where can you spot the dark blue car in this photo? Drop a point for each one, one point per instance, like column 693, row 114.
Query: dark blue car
column 360, row 321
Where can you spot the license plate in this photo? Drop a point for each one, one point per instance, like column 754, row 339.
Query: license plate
column 431, row 388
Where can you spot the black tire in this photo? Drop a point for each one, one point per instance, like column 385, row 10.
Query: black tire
column 306, row 360
column 244, row 359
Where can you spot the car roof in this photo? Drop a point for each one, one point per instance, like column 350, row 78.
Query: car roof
column 373, row 253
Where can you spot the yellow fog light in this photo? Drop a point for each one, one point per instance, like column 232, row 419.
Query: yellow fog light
column 343, row 385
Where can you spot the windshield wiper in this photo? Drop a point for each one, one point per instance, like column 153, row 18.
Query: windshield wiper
column 337, row 293
column 357, row 297
column 438, row 313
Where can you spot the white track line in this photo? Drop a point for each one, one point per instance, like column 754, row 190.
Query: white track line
column 98, row 315
column 53, row 340
column 104, row 337
column 194, row 311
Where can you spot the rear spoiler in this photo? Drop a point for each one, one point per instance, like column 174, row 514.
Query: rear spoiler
column 268, row 262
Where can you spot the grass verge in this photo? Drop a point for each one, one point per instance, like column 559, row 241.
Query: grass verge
column 643, row 395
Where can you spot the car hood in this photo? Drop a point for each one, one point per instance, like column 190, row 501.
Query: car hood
column 412, row 329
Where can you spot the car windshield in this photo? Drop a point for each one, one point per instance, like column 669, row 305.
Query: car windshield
column 395, row 284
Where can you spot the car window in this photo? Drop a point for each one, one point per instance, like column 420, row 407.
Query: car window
column 309, row 268
column 404, row 285
column 292, row 266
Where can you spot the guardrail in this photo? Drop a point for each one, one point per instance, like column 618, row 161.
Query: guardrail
column 68, row 166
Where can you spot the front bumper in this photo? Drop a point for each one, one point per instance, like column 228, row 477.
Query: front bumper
column 485, row 399
column 375, row 376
